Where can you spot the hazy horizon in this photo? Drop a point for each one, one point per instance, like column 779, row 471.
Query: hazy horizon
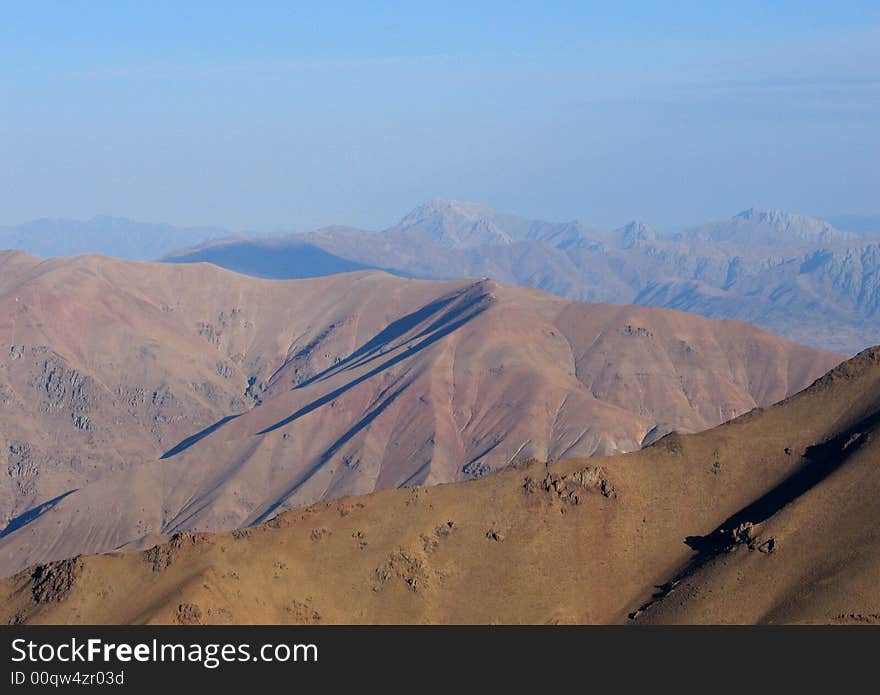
column 858, row 223
column 273, row 118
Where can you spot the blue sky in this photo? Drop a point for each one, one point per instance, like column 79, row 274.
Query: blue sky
column 290, row 115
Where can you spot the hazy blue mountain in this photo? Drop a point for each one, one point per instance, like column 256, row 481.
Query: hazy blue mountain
column 795, row 275
column 109, row 236
column 460, row 225
column 636, row 234
column 276, row 259
column 768, row 227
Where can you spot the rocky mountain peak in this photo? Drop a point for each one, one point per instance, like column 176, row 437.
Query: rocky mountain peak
column 454, row 223
column 636, row 233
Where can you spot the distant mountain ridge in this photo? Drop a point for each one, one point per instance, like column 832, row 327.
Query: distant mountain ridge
column 795, row 275
column 460, row 225
column 273, row 260
column 457, row 225
column 792, row 274
column 768, row 227
column 109, row 236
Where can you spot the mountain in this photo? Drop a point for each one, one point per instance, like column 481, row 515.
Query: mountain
column 142, row 399
column 110, row 236
column 769, row 518
column 820, row 296
column 756, row 227
column 791, row 274
column 461, row 225
column 272, row 259
column 636, row 234
column 457, row 224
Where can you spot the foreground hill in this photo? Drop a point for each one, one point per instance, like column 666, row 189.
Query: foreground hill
column 791, row 274
column 768, row 518
column 143, row 399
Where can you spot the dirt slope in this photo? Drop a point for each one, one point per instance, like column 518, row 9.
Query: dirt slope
column 780, row 505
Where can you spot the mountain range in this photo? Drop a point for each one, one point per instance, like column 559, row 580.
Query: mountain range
column 797, row 276
column 793, row 275
column 140, row 400
column 109, row 236
column 769, row 518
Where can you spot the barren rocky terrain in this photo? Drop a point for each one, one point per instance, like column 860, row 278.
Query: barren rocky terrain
column 143, row 399
column 769, row 518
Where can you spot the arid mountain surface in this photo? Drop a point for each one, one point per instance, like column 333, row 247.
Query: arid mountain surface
column 791, row 274
column 769, row 518
column 142, row 399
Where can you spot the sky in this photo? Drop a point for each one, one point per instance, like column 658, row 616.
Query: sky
column 287, row 116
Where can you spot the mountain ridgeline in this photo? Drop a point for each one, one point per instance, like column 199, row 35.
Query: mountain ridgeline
column 109, row 236
column 793, row 275
column 797, row 276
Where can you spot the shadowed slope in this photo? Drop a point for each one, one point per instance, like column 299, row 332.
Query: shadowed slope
column 269, row 259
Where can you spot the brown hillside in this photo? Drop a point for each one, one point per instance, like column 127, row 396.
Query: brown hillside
column 770, row 517
column 142, row 399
